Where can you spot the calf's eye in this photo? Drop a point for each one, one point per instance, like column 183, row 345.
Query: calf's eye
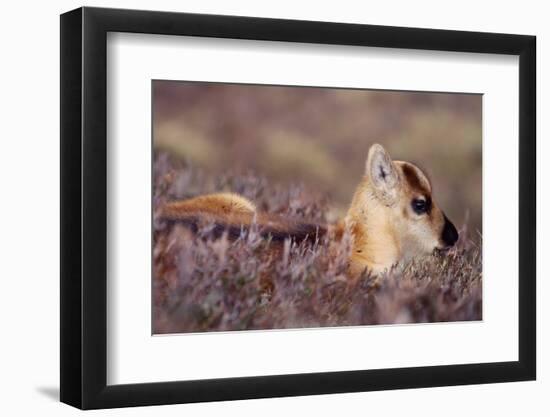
column 420, row 206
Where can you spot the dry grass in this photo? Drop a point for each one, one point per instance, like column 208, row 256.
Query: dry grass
column 205, row 284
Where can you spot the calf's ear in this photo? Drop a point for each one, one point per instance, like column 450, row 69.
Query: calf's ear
column 382, row 174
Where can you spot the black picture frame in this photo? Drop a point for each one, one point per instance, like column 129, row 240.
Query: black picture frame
column 84, row 207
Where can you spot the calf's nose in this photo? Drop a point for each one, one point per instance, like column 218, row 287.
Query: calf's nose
column 449, row 235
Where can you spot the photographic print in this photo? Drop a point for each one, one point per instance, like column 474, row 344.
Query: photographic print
column 284, row 207
column 301, row 197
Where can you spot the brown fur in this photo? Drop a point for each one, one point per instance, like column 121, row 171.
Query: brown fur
column 414, row 179
column 383, row 225
column 231, row 213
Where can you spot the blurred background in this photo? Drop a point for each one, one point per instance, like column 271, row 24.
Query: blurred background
column 319, row 137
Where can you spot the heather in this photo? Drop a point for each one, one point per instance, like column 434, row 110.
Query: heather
column 204, row 283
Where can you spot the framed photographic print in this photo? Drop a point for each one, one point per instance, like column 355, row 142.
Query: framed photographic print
column 258, row 207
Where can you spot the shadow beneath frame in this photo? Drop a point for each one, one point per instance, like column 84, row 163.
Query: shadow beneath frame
column 50, row 392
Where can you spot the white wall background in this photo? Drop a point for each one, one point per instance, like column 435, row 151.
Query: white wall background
column 29, row 225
